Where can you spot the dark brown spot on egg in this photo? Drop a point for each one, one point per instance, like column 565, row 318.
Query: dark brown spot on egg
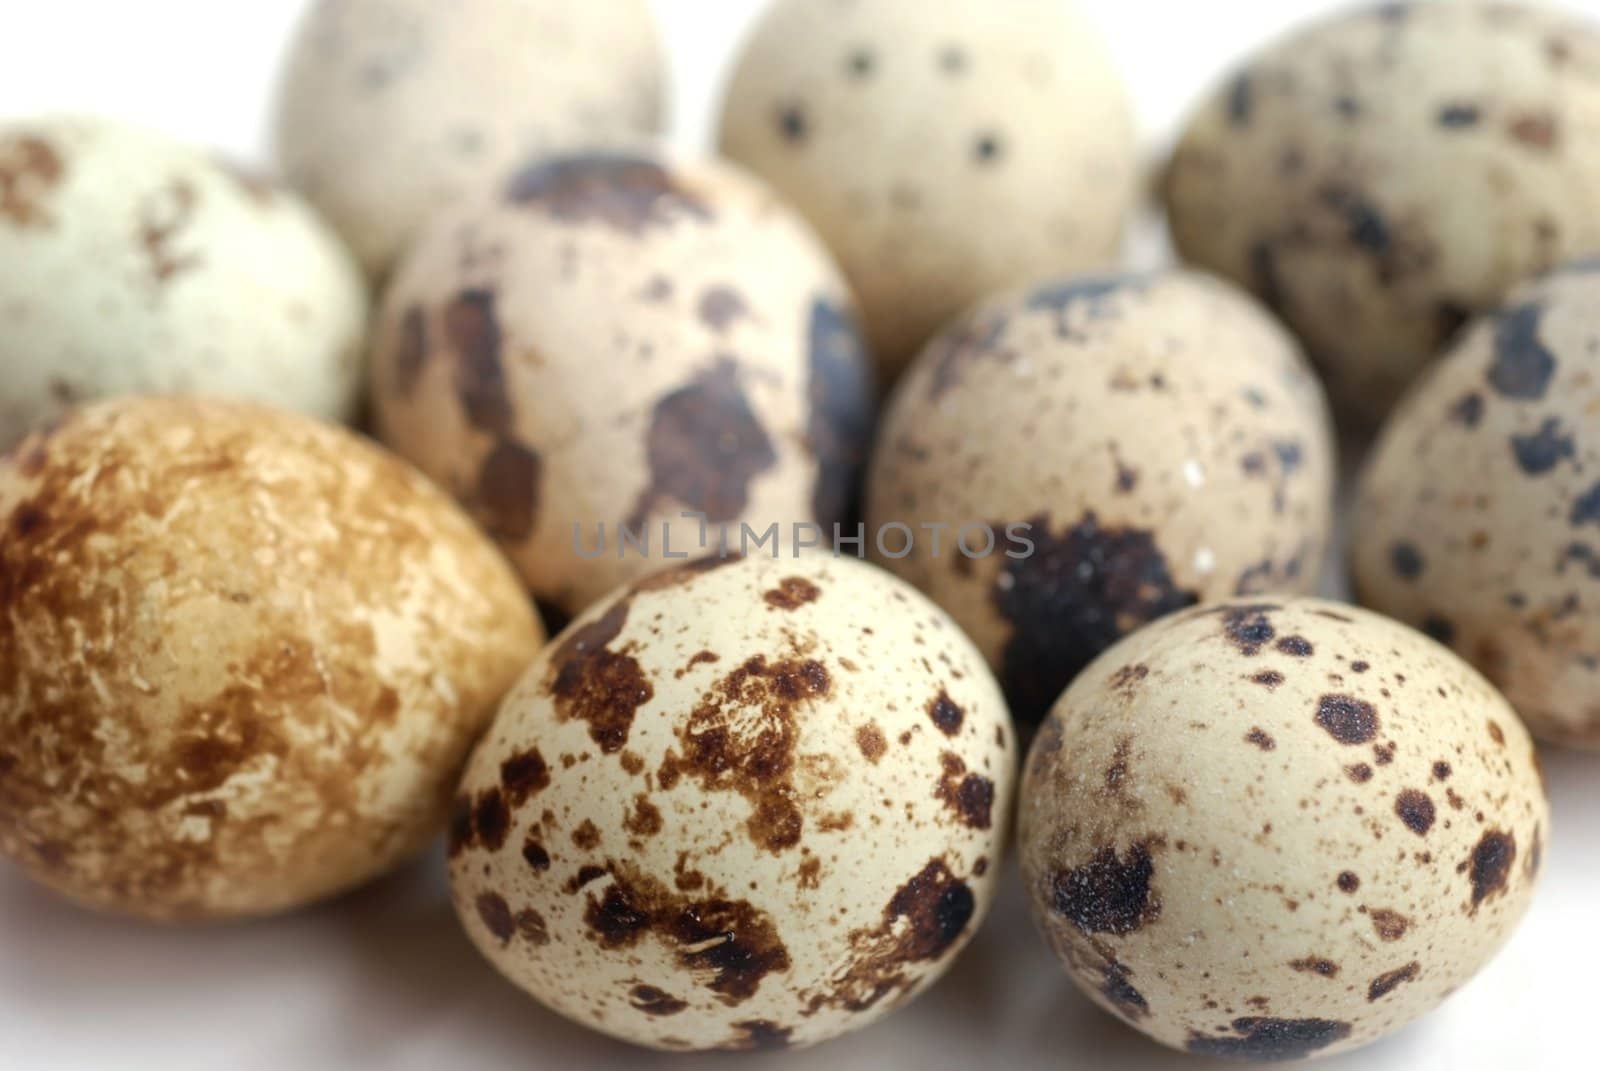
column 1385, row 983
column 1120, row 992
column 1415, row 809
column 1496, row 734
column 533, row 851
column 869, row 738
column 1316, row 965
column 1260, row 738
column 1522, row 366
column 758, row 1035
column 1079, row 592
column 628, row 193
column 496, row 916
column 721, row 307
column 1359, row 772
column 524, row 775
column 1295, row 646
column 506, row 497
column 491, row 819
column 969, row 795
column 30, row 168
column 1391, row 925
column 1406, row 560
column 655, row 1002
column 1468, row 411
column 792, row 593
column 594, row 684
column 1248, row 628
column 1535, row 130
column 472, row 330
column 1267, row 678
column 1490, row 865
column 1270, row 1039
column 531, row 927
column 644, row 820
column 587, row 836
column 1126, row 679
column 1108, row 894
column 1348, row 720
column 1541, row 451
column 945, row 714
column 1441, row 771
column 1348, row 882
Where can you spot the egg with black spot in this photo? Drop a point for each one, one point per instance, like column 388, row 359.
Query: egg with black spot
column 1383, row 175
column 944, row 151
column 1478, row 518
column 1269, row 830
column 131, row 263
column 614, row 341
column 1076, row 458
column 390, row 110
column 243, row 656
column 740, row 804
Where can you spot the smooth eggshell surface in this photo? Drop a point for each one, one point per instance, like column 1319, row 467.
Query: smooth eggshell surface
column 243, row 656
column 944, row 151
column 616, row 339
column 390, row 110
column 1478, row 519
column 133, row 264
column 1281, row 829
column 742, row 804
column 1162, row 436
column 1381, row 176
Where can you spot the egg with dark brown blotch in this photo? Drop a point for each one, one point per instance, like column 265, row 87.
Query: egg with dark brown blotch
column 391, row 110
column 1072, row 460
column 741, row 804
column 613, row 341
column 1269, row 830
column 1387, row 173
column 242, row 657
column 1479, row 511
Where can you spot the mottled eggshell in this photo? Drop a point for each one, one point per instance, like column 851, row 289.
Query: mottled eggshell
column 243, row 656
column 742, row 804
column 1160, row 437
column 130, row 264
column 613, row 340
column 1381, row 176
column 1276, row 830
column 390, row 110
column 1478, row 518
column 944, row 151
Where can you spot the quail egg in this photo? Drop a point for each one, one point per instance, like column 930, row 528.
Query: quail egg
column 243, row 656
column 1076, row 458
column 742, row 804
column 1271, row 830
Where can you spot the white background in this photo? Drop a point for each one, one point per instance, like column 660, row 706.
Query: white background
column 384, row 978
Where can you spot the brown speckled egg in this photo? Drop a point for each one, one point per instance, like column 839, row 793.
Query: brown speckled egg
column 1135, row 444
column 1279, row 829
column 741, row 804
column 944, row 151
column 243, row 656
column 1478, row 519
column 130, row 263
column 614, row 340
column 1383, row 175
column 393, row 109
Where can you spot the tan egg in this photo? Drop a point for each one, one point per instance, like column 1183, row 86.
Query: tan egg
column 615, row 340
column 1100, row 452
column 243, row 656
column 130, row 263
column 944, row 151
column 1478, row 519
column 742, row 804
column 390, row 110
column 1276, row 830
column 1381, row 176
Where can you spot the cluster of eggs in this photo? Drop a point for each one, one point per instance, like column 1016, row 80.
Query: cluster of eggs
column 754, row 800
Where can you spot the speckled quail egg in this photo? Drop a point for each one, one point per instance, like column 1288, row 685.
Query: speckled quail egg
column 1074, row 459
column 392, row 109
column 741, row 804
column 1276, row 830
column 614, row 340
column 243, row 656
column 1383, row 175
column 1478, row 519
column 944, row 151
column 130, row 263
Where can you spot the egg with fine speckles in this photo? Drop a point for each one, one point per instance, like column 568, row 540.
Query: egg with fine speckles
column 614, row 340
column 130, row 263
column 1278, row 829
column 1076, row 458
column 391, row 110
column 944, row 151
column 741, row 804
column 1478, row 518
column 243, row 656
column 1383, row 175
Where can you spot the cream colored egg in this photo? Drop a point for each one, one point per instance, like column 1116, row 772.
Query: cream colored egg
column 1479, row 512
column 1381, row 176
column 134, row 264
column 1080, row 457
column 614, row 340
column 243, row 656
column 390, row 110
column 741, row 804
column 944, row 151
column 1275, row 830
